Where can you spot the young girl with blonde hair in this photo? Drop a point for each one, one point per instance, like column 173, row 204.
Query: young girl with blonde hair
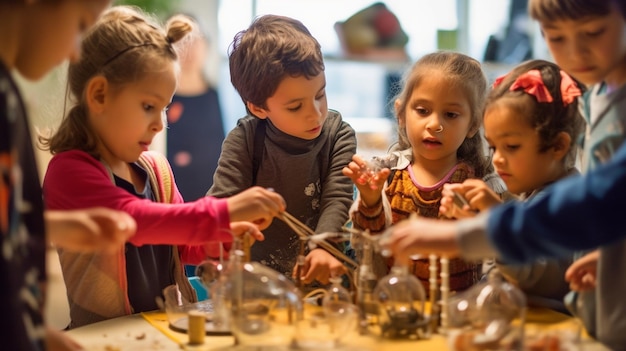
column 123, row 83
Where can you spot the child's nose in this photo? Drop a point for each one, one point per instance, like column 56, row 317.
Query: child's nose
column 159, row 123
column 496, row 158
column 317, row 110
column 434, row 123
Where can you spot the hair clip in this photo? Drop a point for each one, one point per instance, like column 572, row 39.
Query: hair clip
column 569, row 89
column 532, row 83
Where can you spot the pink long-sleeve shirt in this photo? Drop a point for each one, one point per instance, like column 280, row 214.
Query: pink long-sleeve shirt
column 75, row 179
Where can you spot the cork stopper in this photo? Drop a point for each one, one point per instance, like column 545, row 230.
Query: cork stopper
column 196, row 330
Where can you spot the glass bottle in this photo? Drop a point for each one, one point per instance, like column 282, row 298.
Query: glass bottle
column 401, row 300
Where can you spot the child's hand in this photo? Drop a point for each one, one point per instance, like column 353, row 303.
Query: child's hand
column 368, row 178
column 581, row 275
column 96, row 229
column 477, row 194
column 240, row 229
column 453, row 203
column 320, row 265
column 420, row 236
column 257, row 205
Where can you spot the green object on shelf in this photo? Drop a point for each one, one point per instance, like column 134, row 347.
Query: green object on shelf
column 447, row 39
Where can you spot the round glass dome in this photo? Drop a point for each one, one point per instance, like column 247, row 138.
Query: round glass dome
column 261, row 305
column 401, row 297
column 488, row 316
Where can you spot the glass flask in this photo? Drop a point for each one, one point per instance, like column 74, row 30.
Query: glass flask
column 177, row 310
column 400, row 297
column 260, row 305
column 488, row 316
column 324, row 327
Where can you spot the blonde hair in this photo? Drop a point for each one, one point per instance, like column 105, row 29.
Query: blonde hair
column 466, row 73
column 123, row 46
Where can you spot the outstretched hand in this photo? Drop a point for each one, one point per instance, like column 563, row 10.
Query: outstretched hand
column 89, row 230
column 369, row 180
column 420, row 236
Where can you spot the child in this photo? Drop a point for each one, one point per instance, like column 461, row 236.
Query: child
column 604, row 105
column 439, row 112
column 195, row 127
column 123, row 82
column 289, row 141
column 586, row 40
column 25, row 229
column 531, row 123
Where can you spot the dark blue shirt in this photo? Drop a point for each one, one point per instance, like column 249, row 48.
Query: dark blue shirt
column 148, row 267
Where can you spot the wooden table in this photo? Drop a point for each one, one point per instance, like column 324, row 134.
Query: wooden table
column 150, row 331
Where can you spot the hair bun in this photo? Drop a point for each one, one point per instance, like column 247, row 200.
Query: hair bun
column 177, row 27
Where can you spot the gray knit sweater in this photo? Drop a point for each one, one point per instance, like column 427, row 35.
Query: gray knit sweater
column 307, row 173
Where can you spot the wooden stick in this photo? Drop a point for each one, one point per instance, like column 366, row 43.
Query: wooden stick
column 285, row 216
column 304, row 232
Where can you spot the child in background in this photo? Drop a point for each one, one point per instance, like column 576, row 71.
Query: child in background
column 35, row 37
column 439, row 111
column 289, row 141
column 195, row 127
column 123, row 82
column 531, row 124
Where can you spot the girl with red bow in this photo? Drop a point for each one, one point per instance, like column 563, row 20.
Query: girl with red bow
column 531, row 124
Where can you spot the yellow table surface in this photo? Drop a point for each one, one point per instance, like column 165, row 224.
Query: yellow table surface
column 151, row 331
column 543, row 319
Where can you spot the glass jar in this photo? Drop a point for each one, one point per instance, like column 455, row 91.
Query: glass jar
column 401, row 297
column 323, row 327
column 261, row 305
column 488, row 316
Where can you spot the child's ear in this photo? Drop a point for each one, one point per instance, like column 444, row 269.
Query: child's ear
column 562, row 144
column 257, row 111
column 95, row 93
column 397, row 105
column 472, row 132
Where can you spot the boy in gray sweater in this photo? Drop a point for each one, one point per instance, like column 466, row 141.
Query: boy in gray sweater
column 289, row 141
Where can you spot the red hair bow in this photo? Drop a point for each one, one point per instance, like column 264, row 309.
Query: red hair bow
column 532, row 83
column 569, row 89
